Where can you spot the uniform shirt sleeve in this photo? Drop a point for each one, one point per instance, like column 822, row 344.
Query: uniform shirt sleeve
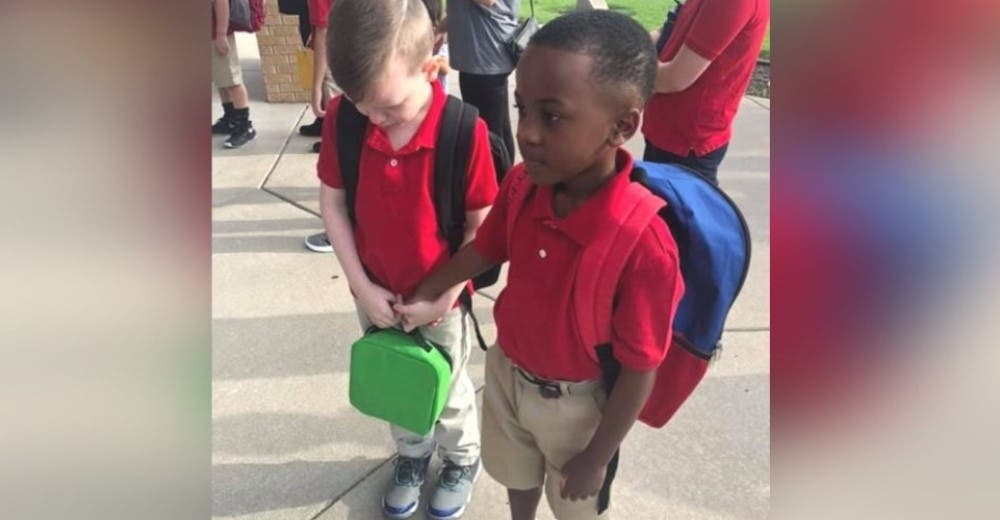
column 328, row 165
column 319, row 10
column 717, row 24
column 481, row 185
column 491, row 237
column 646, row 301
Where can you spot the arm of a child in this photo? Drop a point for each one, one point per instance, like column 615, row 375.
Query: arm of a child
column 473, row 219
column 375, row 301
column 319, row 70
column 221, row 27
column 583, row 475
column 647, row 296
column 438, row 292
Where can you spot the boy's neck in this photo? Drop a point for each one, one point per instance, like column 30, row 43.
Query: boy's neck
column 402, row 133
column 590, row 179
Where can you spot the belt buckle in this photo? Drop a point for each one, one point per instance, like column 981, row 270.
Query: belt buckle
column 550, row 390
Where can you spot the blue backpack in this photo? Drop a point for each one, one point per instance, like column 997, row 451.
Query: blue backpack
column 713, row 242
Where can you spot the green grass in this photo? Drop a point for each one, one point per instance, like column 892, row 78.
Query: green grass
column 649, row 13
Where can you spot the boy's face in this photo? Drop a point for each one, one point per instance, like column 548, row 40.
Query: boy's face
column 398, row 95
column 566, row 122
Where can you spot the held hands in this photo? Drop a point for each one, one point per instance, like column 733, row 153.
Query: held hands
column 422, row 309
column 377, row 302
column 582, row 477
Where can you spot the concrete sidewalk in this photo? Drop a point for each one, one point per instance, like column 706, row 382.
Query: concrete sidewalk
column 288, row 445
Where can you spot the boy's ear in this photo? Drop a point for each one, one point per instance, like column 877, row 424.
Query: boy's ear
column 625, row 127
column 430, row 69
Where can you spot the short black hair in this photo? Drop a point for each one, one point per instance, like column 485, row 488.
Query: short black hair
column 622, row 50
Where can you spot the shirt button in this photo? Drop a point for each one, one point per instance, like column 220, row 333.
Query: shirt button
column 542, row 253
column 393, row 162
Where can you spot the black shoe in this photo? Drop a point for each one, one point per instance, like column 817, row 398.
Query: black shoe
column 223, row 126
column 316, row 146
column 241, row 135
column 313, row 130
column 225, row 123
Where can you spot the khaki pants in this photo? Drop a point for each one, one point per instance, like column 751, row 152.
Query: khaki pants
column 226, row 70
column 456, row 433
column 527, row 438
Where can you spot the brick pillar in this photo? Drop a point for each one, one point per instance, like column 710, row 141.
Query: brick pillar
column 279, row 43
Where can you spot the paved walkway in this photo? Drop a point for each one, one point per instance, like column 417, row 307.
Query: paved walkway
column 288, row 445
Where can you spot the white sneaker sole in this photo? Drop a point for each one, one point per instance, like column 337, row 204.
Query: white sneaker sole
column 400, row 516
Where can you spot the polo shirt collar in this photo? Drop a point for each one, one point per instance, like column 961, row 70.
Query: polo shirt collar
column 427, row 133
column 587, row 219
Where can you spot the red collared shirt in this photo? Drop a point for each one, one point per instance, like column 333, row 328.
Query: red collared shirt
column 700, row 117
column 396, row 234
column 534, row 315
column 319, row 10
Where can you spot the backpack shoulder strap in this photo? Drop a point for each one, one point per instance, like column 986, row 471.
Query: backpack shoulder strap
column 603, row 261
column 451, row 161
column 351, row 126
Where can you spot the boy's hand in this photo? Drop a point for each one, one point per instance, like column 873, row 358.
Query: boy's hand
column 421, row 311
column 221, row 45
column 582, row 477
column 317, row 103
column 376, row 302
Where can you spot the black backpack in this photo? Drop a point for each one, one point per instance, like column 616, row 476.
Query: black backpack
column 451, row 160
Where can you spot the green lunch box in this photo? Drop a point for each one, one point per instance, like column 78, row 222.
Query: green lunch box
column 401, row 378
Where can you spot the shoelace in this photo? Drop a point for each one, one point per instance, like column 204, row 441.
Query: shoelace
column 452, row 475
column 407, row 470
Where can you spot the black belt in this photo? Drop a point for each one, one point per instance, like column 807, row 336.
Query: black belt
column 548, row 389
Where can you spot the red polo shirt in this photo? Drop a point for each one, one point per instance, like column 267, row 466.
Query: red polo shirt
column 535, row 320
column 319, row 10
column 396, row 233
column 699, row 118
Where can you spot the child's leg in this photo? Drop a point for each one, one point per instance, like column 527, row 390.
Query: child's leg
column 457, row 431
column 510, row 454
column 564, row 427
column 238, row 96
column 524, row 503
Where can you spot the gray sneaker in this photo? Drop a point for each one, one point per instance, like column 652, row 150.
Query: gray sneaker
column 403, row 497
column 319, row 243
column 453, row 491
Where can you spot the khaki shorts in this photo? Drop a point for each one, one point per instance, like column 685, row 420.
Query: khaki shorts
column 528, row 437
column 226, row 70
column 331, row 88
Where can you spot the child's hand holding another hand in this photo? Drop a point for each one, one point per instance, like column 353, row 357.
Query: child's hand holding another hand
column 422, row 308
column 376, row 302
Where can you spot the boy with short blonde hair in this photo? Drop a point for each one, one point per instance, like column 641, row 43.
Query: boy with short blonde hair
column 388, row 240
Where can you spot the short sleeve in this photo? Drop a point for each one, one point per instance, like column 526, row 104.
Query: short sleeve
column 491, row 237
column 646, row 301
column 481, row 188
column 717, row 24
column 319, row 11
column 328, row 165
